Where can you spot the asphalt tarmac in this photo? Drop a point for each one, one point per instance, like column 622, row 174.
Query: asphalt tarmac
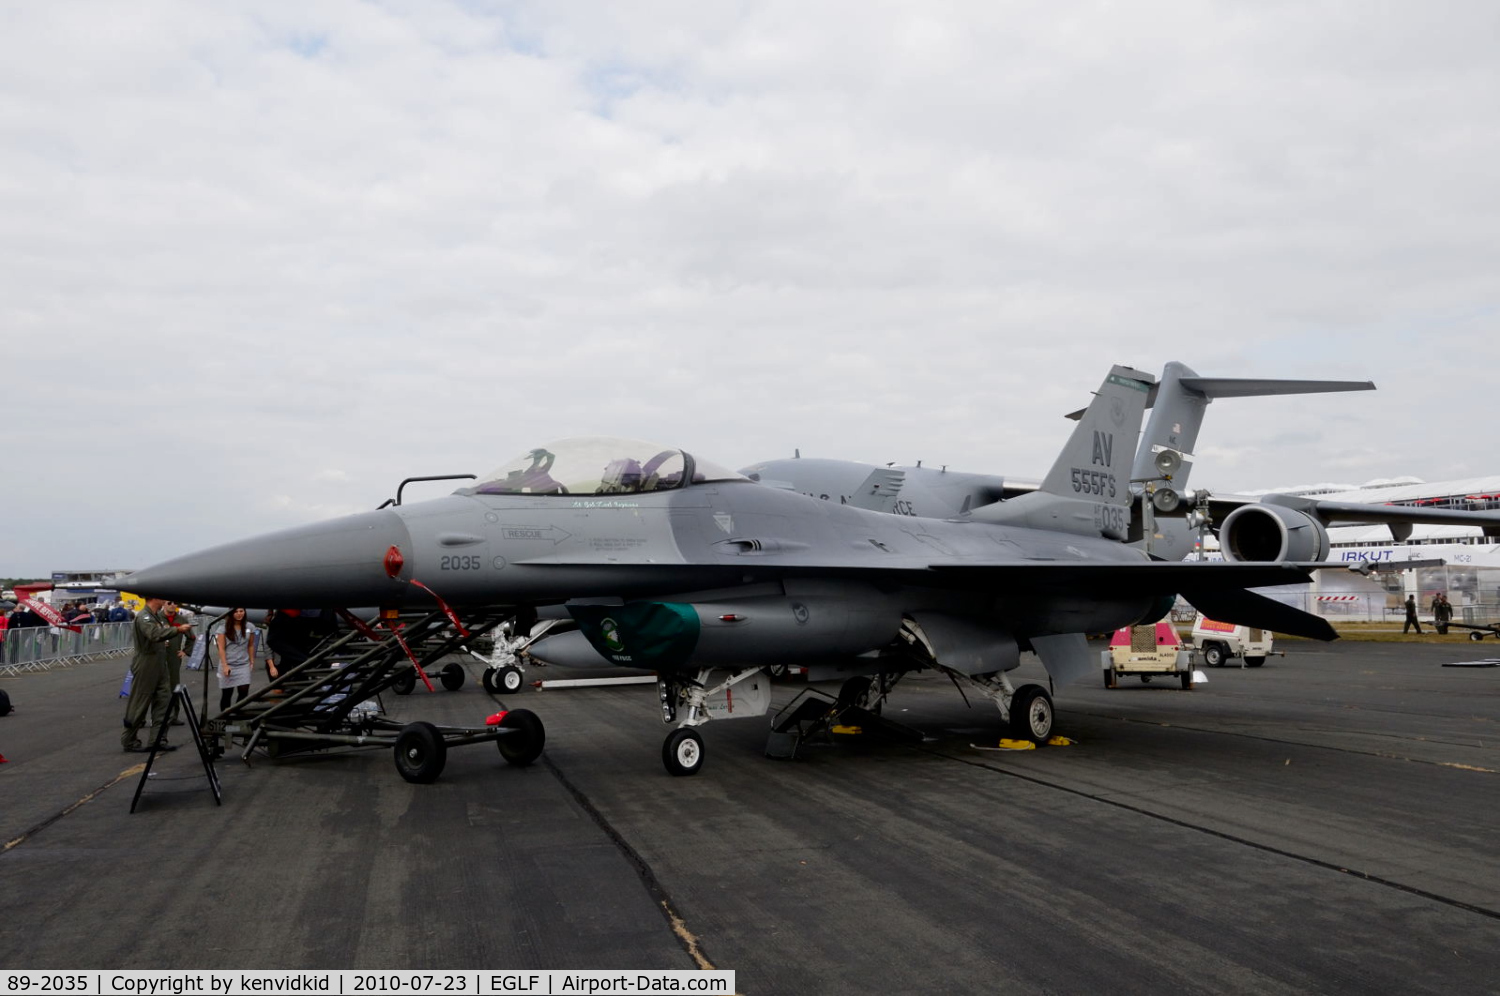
column 1326, row 823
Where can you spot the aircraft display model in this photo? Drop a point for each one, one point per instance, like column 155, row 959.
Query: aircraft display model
column 1267, row 527
column 671, row 563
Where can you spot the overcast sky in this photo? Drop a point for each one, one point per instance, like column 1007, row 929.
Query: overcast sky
column 258, row 262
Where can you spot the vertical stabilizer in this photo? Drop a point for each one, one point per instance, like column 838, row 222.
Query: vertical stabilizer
column 1088, row 489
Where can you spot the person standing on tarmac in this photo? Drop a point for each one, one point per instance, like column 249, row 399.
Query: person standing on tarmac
column 149, row 688
column 1442, row 613
column 1411, row 615
column 179, row 648
column 236, row 645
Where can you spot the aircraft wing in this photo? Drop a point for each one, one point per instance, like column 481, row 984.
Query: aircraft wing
column 1216, row 588
column 1400, row 518
column 1159, row 577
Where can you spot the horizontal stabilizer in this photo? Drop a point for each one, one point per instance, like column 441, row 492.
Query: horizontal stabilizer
column 1253, row 387
column 1259, row 387
column 1247, row 608
column 879, row 491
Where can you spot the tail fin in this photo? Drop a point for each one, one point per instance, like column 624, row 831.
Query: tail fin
column 1181, row 398
column 1088, row 489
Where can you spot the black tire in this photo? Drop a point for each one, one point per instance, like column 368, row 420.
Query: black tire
column 421, row 753
column 1109, row 677
column 853, row 691
column 1476, row 636
column 1213, row 655
column 452, row 676
column 682, row 752
column 1255, row 661
column 5, row 704
column 488, row 680
column 1031, row 715
column 405, row 684
column 510, row 680
column 525, row 745
column 1187, row 681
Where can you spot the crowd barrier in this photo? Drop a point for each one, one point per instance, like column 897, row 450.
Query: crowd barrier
column 38, row 648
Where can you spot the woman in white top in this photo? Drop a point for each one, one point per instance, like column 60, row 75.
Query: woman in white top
column 236, row 643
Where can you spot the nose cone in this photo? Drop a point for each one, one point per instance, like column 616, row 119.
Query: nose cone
column 339, row 562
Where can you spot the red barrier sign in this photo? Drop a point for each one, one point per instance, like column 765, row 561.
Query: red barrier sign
column 51, row 615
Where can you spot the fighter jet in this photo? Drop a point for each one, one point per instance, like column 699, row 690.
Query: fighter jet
column 672, row 563
column 1268, row 527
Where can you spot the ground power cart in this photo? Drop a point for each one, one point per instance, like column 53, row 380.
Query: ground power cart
column 1220, row 642
column 1149, row 651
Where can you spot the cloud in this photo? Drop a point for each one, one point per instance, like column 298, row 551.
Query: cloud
column 249, row 248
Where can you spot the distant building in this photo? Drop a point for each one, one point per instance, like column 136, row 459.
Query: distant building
column 83, row 586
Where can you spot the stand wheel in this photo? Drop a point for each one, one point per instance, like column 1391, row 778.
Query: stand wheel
column 1109, row 677
column 525, row 745
column 404, row 684
column 682, row 752
column 5, row 705
column 1213, row 655
column 452, row 676
column 1187, row 681
column 1254, row 661
column 1476, row 636
column 420, row 753
column 1031, row 714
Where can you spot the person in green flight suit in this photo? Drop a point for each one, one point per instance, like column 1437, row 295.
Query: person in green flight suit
column 150, row 686
column 179, row 648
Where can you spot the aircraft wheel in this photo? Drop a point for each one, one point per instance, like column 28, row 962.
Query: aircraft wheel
column 1187, row 681
column 1109, row 677
column 405, row 684
column 1476, row 636
column 853, row 691
column 420, row 753
column 776, row 671
column 1254, row 661
column 682, row 752
column 452, row 676
column 5, row 703
column 525, row 745
column 1213, row 655
column 1031, row 714
column 488, row 680
column 510, row 679
column 1145, row 679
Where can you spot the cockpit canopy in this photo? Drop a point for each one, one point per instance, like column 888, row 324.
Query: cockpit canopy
column 599, row 465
